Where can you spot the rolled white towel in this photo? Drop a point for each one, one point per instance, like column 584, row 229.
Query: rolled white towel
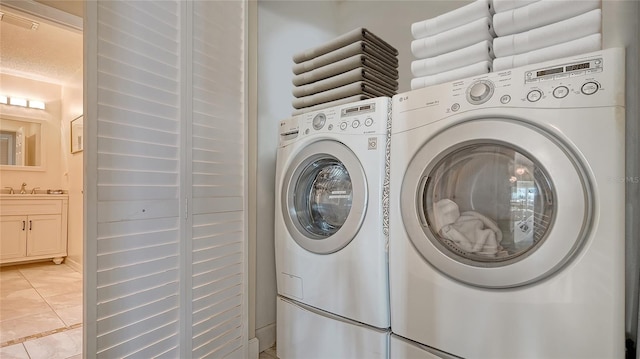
column 481, row 67
column 556, row 33
column 540, row 13
column 482, row 51
column 505, row 5
column 449, row 20
column 454, row 39
column 586, row 44
column 474, row 233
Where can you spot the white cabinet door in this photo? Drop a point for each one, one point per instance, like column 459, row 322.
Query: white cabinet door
column 44, row 235
column 13, row 237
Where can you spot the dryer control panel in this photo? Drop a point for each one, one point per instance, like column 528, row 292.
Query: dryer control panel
column 583, row 81
column 362, row 117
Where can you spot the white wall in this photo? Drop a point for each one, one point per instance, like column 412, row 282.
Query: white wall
column 50, row 176
column 73, row 170
column 621, row 28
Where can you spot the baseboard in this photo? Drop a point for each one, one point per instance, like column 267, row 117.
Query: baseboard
column 267, row 336
column 73, row 264
column 254, row 346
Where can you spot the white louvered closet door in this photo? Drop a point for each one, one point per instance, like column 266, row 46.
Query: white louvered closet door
column 165, row 186
column 217, row 191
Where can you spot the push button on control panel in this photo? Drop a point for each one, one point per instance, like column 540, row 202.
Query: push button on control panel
column 355, row 124
column 589, row 88
column 343, row 126
column 560, row 92
column 368, row 122
column 534, row 95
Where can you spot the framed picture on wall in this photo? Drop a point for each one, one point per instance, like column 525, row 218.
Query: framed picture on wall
column 77, row 140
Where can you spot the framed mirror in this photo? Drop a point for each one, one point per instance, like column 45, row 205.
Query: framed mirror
column 77, row 139
column 20, row 143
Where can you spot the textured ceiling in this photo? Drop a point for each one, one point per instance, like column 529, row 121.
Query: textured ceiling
column 52, row 53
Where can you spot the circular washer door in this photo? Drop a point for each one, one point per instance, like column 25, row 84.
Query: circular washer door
column 324, row 198
column 496, row 203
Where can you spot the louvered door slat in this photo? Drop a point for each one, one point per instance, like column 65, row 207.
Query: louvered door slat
column 163, row 348
column 137, row 178
column 137, row 148
column 136, row 118
column 116, row 326
column 220, row 343
column 129, row 162
column 131, row 132
column 137, row 193
column 134, row 337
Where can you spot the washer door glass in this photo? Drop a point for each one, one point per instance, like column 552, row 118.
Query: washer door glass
column 496, row 203
column 487, row 204
column 325, row 197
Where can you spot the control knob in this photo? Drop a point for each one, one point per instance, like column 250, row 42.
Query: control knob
column 480, row 92
column 319, row 121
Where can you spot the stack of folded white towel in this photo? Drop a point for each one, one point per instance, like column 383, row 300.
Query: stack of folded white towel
column 531, row 31
column 454, row 45
column 352, row 67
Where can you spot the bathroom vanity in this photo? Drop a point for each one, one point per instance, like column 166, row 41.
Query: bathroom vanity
column 33, row 226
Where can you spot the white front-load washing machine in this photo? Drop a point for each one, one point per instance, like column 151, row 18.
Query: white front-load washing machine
column 507, row 212
column 331, row 221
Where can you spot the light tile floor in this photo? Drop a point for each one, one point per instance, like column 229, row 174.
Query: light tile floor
column 40, row 311
column 269, row 353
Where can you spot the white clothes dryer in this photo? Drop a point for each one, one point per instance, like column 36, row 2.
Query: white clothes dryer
column 507, row 212
column 330, row 222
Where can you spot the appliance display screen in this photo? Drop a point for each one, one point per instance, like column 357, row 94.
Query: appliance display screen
column 585, row 65
column 549, row 71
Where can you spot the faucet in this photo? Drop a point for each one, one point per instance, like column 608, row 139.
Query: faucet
column 34, row 190
column 10, row 190
column 23, row 189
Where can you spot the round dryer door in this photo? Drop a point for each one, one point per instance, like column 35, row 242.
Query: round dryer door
column 325, row 196
column 496, row 203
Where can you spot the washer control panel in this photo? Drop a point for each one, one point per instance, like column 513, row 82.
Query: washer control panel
column 362, row 117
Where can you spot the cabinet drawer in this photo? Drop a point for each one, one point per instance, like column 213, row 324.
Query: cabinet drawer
column 24, row 207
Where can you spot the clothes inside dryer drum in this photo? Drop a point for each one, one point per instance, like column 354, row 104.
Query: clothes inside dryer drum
column 486, row 204
column 323, row 197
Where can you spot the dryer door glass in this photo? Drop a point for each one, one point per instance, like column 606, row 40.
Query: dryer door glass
column 497, row 203
column 487, row 204
column 323, row 197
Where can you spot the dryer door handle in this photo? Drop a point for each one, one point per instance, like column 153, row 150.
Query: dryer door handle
column 421, row 209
